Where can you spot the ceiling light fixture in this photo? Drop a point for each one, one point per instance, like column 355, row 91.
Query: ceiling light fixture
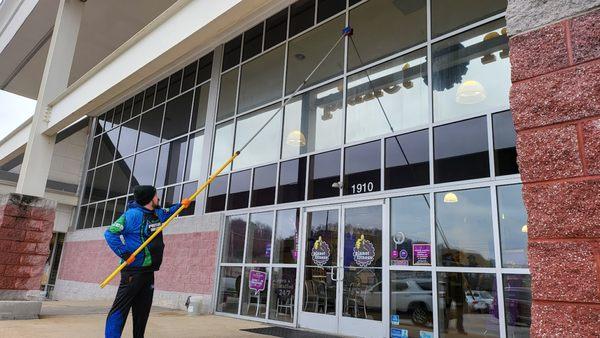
column 470, row 92
column 295, row 138
column 450, row 197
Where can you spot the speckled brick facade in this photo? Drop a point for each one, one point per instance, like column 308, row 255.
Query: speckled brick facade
column 555, row 100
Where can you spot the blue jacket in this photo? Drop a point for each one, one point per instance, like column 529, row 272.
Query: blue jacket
column 135, row 226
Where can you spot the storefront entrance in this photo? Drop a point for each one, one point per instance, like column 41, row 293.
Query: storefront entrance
column 342, row 275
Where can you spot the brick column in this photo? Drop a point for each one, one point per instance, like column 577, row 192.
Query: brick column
column 26, row 225
column 555, row 100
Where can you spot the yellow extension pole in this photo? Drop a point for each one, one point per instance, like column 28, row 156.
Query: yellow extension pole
column 166, row 223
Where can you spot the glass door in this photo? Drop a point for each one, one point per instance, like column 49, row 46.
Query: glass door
column 342, row 273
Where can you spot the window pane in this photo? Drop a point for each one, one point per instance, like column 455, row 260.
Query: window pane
column 328, row 8
column 263, row 185
column 302, row 16
column 120, row 177
column 283, row 290
column 276, row 29
column 217, row 192
column 81, row 218
column 389, row 97
column 187, row 190
column 189, row 76
column 118, row 115
column 109, row 209
column 128, row 138
column 471, row 72
column 260, row 229
column 411, row 303
column 150, row 128
column 109, row 145
column 231, row 52
column 464, row 228
column 99, row 215
column 88, row 186
column 461, row 151
column 362, row 168
column 200, row 106
column 149, row 98
column 101, row 179
column 204, row 68
column 172, row 195
column 171, row 162
column 174, row 84
column 292, row 178
column 137, row 104
column 177, row 116
column 410, row 231
column 264, row 147
column 262, row 80
column 313, row 121
column 239, row 190
column 108, row 122
column 252, row 42
column 517, row 305
column 89, row 217
column 505, row 151
column 286, row 236
column 466, row 304
column 127, row 109
column 223, row 148
column 143, row 171
column 448, row 15
column 94, row 152
column 102, row 120
column 161, row 91
column 227, row 94
column 254, row 292
column 229, row 289
column 324, row 170
column 512, row 218
column 407, row 160
column 307, row 50
column 233, row 239
column 119, row 207
column 402, row 24
column 194, row 156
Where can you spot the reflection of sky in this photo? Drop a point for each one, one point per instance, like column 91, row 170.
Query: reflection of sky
column 363, row 219
column 144, row 166
column 223, row 145
column 512, row 217
column 410, row 215
column 286, row 224
column 195, row 158
column 264, row 147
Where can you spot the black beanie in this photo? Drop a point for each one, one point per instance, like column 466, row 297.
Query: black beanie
column 143, row 194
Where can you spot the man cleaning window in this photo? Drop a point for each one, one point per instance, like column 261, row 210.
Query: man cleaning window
column 136, row 289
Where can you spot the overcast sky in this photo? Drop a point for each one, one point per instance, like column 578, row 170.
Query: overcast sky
column 14, row 109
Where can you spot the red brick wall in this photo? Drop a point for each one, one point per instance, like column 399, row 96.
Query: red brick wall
column 555, row 99
column 188, row 263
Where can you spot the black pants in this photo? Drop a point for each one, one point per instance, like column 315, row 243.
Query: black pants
column 135, row 292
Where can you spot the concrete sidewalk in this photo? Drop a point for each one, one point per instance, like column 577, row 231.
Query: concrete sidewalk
column 86, row 319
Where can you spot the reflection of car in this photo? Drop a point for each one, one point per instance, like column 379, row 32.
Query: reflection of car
column 408, row 295
column 517, row 301
column 480, row 301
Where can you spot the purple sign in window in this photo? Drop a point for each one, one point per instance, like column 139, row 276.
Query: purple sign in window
column 421, row 254
column 257, row 280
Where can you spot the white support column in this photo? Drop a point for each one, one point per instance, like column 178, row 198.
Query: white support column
column 38, row 154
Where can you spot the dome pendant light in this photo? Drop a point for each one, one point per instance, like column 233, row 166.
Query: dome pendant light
column 470, row 92
column 296, row 138
column 450, row 197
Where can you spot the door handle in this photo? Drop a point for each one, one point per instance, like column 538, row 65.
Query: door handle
column 336, row 268
column 333, row 268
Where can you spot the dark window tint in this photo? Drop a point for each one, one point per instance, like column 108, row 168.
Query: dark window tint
column 88, row 186
column 275, row 29
column 448, row 15
column 138, row 102
column 252, row 42
column 119, row 207
column 99, row 127
column 127, row 109
column 94, row 152
column 149, row 98
column 324, row 171
column 171, row 162
column 407, row 160
column 172, row 196
column 354, row 2
column 517, row 304
column 89, row 218
column 120, row 177
column 217, row 191
column 189, row 76
column 263, row 185
column 128, row 138
column 174, row 84
column 292, row 177
column 99, row 215
column 362, row 168
column 101, row 183
column 109, row 146
column 505, row 151
column 161, row 91
column 233, row 239
column 143, row 170
column 204, row 68
column 109, row 209
column 102, row 121
column 118, row 115
column 150, row 128
column 81, row 218
column 461, row 151
column 108, row 119
column 227, row 94
column 327, row 8
column 187, row 190
column 302, row 16
column 239, row 190
column 231, row 52
column 200, row 106
column 177, row 116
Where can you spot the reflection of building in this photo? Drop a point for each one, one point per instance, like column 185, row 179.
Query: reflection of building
column 404, row 135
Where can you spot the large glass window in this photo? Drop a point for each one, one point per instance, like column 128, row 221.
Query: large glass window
column 512, row 219
column 329, row 8
column 120, row 177
column 101, row 181
column 189, row 76
column 217, row 194
column 149, row 97
column 223, row 147
column 407, row 160
column 505, row 140
column 286, row 236
column 200, row 107
column 171, row 162
column 144, row 167
column 517, row 304
column 463, row 221
column 276, row 29
column 261, row 149
column 262, row 80
column 302, row 16
column 252, row 41
column 177, row 116
column 150, row 128
column 228, row 297
column 194, row 156
column 161, row 91
column 227, row 94
column 447, row 15
column 239, row 190
column 405, row 26
column 471, row 72
column 411, row 303
column 233, row 239
column 292, row 178
column 283, row 292
column 389, row 97
column 263, row 185
column 410, row 231
column 254, row 292
column 362, row 168
column 231, row 52
column 324, row 172
column 128, row 138
column 258, row 244
column 313, row 121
